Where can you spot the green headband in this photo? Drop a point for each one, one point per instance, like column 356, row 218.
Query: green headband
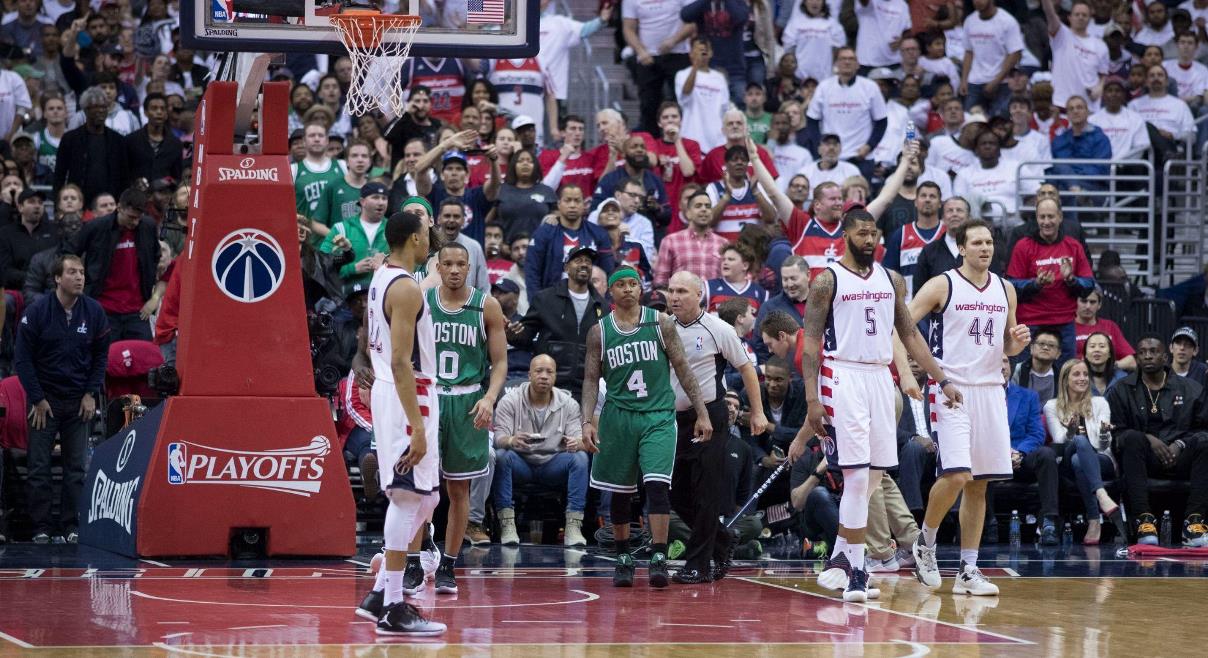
column 421, row 201
column 623, row 273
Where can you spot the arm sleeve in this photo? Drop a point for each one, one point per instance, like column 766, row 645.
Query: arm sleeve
column 878, row 131
column 893, row 251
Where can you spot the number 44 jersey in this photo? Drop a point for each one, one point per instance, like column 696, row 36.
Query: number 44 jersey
column 635, row 366
column 461, row 340
column 966, row 336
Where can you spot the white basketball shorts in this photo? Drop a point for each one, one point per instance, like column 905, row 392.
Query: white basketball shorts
column 859, row 399
column 393, row 436
column 974, row 437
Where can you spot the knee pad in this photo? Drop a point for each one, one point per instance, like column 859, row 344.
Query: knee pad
column 658, row 497
column 405, row 514
column 620, row 510
column 853, row 506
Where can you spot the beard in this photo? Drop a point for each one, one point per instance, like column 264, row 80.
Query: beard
column 864, row 260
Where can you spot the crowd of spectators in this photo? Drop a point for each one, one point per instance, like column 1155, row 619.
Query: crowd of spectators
column 759, row 125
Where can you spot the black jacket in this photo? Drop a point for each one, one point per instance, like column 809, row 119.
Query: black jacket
column 1181, row 405
column 18, row 247
column 149, row 163
column 39, row 276
column 906, row 426
column 96, row 242
column 71, row 166
column 60, row 359
column 551, row 327
column 792, row 417
column 935, row 259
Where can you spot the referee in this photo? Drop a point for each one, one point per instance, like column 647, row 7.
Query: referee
column 697, row 491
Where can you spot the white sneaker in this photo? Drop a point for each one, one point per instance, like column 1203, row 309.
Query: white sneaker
column 836, row 573
column 925, row 567
column 888, row 565
column 971, row 581
column 507, row 528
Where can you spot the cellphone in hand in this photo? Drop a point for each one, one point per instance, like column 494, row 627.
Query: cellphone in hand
column 534, row 438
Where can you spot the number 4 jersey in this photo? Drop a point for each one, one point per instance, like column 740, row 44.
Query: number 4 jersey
column 966, row 336
column 635, row 365
column 461, row 340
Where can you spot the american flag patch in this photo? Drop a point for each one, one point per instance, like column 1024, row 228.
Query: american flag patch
column 484, row 11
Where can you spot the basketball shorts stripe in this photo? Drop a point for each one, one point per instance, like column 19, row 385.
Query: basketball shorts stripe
column 859, row 399
column 975, row 436
column 392, row 434
column 633, row 444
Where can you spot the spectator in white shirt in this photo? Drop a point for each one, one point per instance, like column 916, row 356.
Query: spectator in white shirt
column 1030, row 145
column 936, row 60
column 1079, row 59
column 1123, row 127
column 897, row 115
column 1169, row 116
column 829, row 168
column 652, row 28
column 950, row 154
column 937, row 176
column 882, row 24
column 989, row 185
column 851, row 107
column 558, row 35
column 1191, row 78
column 788, row 156
column 812, row 34
column 704, row 95
column 993, row 46
column 1157, row 30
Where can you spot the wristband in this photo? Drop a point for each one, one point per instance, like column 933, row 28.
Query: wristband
column 944, row 382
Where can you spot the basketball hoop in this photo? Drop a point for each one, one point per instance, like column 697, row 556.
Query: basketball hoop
column 378, row 45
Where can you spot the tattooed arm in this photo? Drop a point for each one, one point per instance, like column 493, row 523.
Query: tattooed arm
column 817, row 308
column 591, row 389
column 679, row 362
column 908, row 331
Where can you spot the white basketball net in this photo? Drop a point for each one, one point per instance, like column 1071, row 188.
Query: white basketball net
column 376, row 80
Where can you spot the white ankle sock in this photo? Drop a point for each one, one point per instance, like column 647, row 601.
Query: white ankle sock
column 929, row 534
column 394, row 587
column 840, row 546
column 379, row 582
column 855, row 555
column 969, row 556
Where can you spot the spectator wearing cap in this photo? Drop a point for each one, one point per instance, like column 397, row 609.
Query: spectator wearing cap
column 525, row 129
column 703, row 94
column 625, row 251
column 850, row 106
column 24, row 29
column 416, row 121
column 153, row 151
column 1184, row 348
column 882, row 25
column 60, row 357
column 454, row 181
column 1125, row 129
column 363, row 235
column 560, row 316
column 994, row 45
column 25, row 155
column 630, row 197
column 20, row 240
column 93, row 156
column 545, row 259
column 121, row 252
column 450, row 217
column 829, row 168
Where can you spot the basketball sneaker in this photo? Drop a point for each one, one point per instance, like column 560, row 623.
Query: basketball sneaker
column 971, row 581
column 857, row 587
column 905, row 558
column 446, row 582
column 1147, row 530
column 836, row 572
column 658, row 571
column 413, row 578
column 429, row 554
column 405, row 619
column 1195, row 533
column 371, row 606
column 888, row 565
column 723, row 558
column 622, row 576
column 925, row 567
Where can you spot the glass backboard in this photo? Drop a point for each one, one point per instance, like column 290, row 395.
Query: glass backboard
column 451, row 28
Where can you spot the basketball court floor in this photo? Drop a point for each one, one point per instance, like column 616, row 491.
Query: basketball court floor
column 545, row 601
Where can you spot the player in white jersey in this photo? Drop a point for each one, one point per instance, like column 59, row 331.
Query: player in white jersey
column 853, row 309
column 405, row 414
column 972, row 326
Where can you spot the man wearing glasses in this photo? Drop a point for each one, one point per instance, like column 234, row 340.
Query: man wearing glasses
column 632, row 197
column 1039, row 373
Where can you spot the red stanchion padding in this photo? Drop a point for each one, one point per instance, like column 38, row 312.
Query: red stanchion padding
column 225, row 463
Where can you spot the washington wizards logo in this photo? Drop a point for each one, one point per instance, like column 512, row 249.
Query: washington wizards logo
column 828, row 445
column 248, row 265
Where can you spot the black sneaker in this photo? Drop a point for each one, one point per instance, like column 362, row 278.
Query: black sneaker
column 723, row 558
column 690, row 577
column 658, row 571
column 622, row 576
column 413, row 578
column 857, row 587
column 1195, row 533
column 371, row 606
column 1147, row 530
column 1048, row 533
column 405, row 619
column 446, row 583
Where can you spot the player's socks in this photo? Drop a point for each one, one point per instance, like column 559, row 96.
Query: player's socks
column 394, row 587
column 855, row 555
column 379, row 582
column 840, row 546
column 969, row 556
column 928, row 533
column 622, row 545
column 659, row 548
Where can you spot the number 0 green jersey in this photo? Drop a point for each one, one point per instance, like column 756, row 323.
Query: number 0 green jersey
column 635, row 365
column 461, row 340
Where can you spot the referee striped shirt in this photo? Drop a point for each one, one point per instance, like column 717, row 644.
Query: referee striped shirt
column 709, row 343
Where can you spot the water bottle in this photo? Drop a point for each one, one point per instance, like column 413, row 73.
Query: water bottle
column 1166, row 528
column 912, row 133
column 1067, row 536
column 1016, row 531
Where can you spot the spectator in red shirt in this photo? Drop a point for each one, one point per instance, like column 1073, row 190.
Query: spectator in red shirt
column 679, row 158
column 1087, row 322
column 570, row 163
column 1050, row 270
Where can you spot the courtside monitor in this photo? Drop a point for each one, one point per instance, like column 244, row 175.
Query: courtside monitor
column 452, row 28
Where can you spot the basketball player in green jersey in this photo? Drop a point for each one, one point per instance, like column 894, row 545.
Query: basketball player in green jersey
column 635, row 348
column 315, row 171
column 468, row 326
column 340, row 199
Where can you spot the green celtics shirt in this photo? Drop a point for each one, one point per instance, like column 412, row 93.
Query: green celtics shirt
column 635, row 367
column 461, row 340
column 338, row 201
column 309, row 184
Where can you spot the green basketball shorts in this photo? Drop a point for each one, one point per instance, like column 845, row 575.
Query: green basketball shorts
column 464, row 449
column 633, row 443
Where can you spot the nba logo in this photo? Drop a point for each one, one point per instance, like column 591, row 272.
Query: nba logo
column 700, row 343
column 176, row 463
column 248, row 265
column 222, row 12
